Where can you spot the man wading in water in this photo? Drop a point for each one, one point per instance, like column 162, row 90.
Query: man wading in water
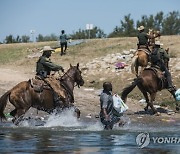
column 108, row 115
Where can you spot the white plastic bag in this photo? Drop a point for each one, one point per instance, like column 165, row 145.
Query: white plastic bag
column 118, row 104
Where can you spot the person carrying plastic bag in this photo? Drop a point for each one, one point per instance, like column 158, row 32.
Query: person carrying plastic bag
column 108, row 115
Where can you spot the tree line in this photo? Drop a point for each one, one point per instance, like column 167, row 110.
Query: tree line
column 167, row 24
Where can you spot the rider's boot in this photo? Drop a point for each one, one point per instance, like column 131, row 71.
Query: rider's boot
column 170, row 86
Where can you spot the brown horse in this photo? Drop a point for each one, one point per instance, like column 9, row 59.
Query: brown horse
column 141, row 57
column 148, row 83
column 23, row 96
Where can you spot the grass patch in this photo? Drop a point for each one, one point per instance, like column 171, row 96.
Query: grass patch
column 10, row 53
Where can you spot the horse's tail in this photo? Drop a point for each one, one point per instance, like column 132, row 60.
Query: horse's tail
column 129, row 88
column 134, row 64
column 3, row 102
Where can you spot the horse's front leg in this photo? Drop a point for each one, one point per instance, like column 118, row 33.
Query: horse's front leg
column 78, row 112
column 136, row 70
column 13, row 112
column 19, row 116
column 152, row 99
column 142, row 89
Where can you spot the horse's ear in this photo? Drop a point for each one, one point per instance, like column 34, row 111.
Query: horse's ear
column 77, row 65
column 70, row 65
column 167, row 50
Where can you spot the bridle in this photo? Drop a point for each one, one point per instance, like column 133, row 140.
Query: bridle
column 66, row 73
column 72, row 79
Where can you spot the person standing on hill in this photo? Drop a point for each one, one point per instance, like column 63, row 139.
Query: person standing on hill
column 63, row 42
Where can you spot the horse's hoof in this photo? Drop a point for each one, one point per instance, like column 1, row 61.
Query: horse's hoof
column 121, row 124
column 177, row 109
column 157, row 114
column 13, row 120
column 16, row 122
column 145, row 109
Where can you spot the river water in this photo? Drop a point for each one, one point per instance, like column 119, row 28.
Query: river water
column 66, row 134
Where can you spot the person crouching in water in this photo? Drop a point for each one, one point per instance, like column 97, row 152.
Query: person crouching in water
column 108, row 115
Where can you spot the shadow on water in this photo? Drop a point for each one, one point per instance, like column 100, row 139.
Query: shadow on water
column 66, row 134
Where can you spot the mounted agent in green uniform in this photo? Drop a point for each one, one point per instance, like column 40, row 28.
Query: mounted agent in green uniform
column 158, row 57
column 44, row 65
column 43, row 69
column 143, row 38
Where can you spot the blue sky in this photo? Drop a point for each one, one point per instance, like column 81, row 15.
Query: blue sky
column 18, row 17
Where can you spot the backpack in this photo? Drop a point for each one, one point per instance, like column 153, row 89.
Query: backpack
column 118, row 104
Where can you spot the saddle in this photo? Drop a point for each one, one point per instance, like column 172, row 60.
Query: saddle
column 56, row 86
column 159, row 74
column 37, row 84
column 157, row 71
column 144, row 48
column 60, row 96
column 50, row 83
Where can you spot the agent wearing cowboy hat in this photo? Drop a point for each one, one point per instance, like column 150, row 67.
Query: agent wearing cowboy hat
column 43, row 68
column 158, row 58
column 143, row 37
column 44, row 65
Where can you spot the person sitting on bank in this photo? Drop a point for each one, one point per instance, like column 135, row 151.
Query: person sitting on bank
column 158, row 57
column 44, row 65
column 108, row 115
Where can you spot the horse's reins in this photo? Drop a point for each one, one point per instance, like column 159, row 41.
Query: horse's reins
column 66, row 73
column 65, row 86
